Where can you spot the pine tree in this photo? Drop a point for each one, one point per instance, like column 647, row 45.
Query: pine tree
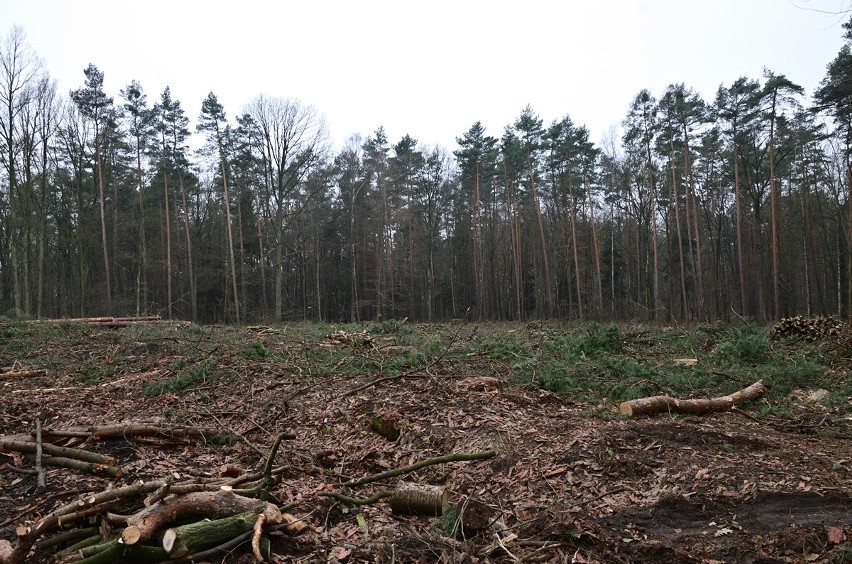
column 139, row 118
column 835, row 97
column 212, row 121
column 777, row 92
column 477, row 162
column 641, row 127
column 94, row 105
column 735, row 107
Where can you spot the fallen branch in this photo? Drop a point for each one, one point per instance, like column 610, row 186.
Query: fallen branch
column 42, row 484
column 667, row 404
column 83, row 466
column 22, row 373
column 69, row 513
column 20, row 443
column 134, row 430
column 255, row 538
column 460, row 457
column 357, row 501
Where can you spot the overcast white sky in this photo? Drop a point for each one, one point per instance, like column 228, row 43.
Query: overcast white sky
column 429, row 68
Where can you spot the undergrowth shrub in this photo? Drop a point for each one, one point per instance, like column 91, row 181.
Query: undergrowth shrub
column 508, row 348
column 256, row 349
column 747, row 344
column 188, row 377
column 390, row 327
column 93, row 371
column 598, row 340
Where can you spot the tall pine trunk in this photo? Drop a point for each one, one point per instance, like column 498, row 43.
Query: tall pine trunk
column 227, row 205
column 676, row 205
column 775, row 243
column 168, row 234
column 103, row 222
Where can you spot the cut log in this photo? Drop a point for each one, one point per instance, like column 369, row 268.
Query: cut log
column 667, row 404
column 143, row 525
column 42, row 484
column 191, row 538
column 82, row 466
column 18, row 443
column 104, row 321
column 418, row 499
column 231, row 471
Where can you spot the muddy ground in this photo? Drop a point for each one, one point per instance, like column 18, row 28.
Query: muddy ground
column 570, row 482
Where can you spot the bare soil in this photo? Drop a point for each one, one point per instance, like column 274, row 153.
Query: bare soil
column 571, row 482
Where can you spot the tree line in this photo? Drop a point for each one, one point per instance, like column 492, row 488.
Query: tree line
column 704, row 209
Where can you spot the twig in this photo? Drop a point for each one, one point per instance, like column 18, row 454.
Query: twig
column 613, row 491
column 506, row 550
column 357, row 501
column 460, row 457
column 267, row 478
column 240, row 435
column 161, row 492
column 739, row 411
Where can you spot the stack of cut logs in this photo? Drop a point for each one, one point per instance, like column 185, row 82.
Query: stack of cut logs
column 808, row 328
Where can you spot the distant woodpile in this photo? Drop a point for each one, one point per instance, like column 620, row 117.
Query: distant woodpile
column 809, row 328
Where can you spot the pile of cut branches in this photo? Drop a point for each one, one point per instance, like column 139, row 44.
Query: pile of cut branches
column 177, row 518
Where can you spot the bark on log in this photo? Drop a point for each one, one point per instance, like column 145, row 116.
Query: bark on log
column 19, row 443
column 134, row 430
column 42, row 484
column 82, row 466
column 223, row 502
column 667, row 404
column 188, row 539
column 105, row 321
column 71, row 535
column 418, row 499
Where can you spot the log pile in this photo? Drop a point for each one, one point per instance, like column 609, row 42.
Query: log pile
column 111, row 322
column 808, row 328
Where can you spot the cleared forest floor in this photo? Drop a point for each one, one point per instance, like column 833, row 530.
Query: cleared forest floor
column 572, row 480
